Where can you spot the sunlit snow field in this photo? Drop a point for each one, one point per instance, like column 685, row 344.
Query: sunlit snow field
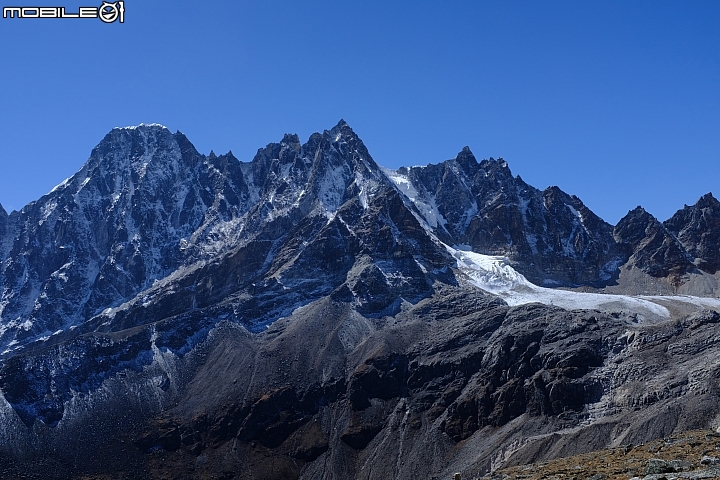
column 495, row 275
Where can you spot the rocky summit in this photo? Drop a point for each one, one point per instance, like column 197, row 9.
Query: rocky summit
column 312, row 315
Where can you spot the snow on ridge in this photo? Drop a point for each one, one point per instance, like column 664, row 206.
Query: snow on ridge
column 575, row 213
column 62, row 184
column 530, row 237
column 428, row 209
column 495, row 275
column 579, row 216
column 133, row 127
column 332, row 188
column 365, row 187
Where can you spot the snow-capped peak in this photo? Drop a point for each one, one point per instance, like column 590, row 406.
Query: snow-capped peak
column 142, row 125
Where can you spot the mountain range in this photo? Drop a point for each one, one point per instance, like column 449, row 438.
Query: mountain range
column 310, row 314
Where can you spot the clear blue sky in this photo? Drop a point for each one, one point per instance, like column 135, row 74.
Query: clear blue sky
column 615, row 102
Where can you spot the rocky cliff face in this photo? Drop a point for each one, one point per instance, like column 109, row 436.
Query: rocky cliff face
column 682, row 251
column 311, row 315
column 650, row 246
column 552, row 237
column 697, row 228
column 147, row 204
column 112, row 229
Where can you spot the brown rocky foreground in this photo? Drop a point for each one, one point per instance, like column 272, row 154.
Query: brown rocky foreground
column 690, row 455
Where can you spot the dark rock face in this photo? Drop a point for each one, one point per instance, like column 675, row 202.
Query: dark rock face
column 686, row 242
column 3, row 221
column 453, row 368
column 697, row 228
column 39, row 386
column 650, row 246
column 535, row 363
column 552, row 237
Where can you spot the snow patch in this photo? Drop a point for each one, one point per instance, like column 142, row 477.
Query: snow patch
column 392, row 276
column 427, row 207
column 495, row 275
column 530, row 237
column 608, row 270
column 364, row 186
column 704, row 302
column 134, row 127
column 47, row 210
column 332, row 188
column 63, row 184
column 575, row 213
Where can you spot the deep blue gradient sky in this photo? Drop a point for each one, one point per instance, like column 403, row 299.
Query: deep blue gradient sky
column 615, row 102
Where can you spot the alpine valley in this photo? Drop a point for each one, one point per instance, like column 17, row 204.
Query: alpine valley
column 312, row 315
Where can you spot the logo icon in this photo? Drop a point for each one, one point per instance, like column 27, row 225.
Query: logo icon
column 109, row 12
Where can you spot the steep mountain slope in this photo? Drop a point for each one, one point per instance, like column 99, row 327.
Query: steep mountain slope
column 698, row 229
column 147, row 204
column 650, row 246
column 166, row 314
column 676, row 256
column 323, row 218
column 111, row 230
column 551, row 237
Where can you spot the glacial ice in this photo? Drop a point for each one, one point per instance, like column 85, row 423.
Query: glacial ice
column 495, row 275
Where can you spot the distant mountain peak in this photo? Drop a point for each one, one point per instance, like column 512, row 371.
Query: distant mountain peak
column 697, row 228
column 554, row 189
column 467, row 160
column 639, row 210
column 495, row 165
column 136, row 147
column 707, row 200
column 143, row 126
column 342, row 129
column 290, row 138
